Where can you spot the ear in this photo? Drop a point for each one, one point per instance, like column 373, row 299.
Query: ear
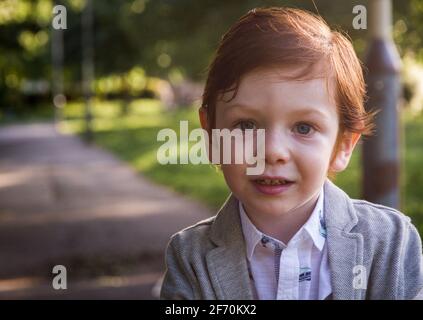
column 344, row 152
column 202, row 113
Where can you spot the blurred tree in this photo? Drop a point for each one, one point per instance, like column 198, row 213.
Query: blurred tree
column 24, row 50
column 171, row 39
column 408, row 27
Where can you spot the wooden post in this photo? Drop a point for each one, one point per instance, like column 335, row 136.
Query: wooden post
column 381, row 161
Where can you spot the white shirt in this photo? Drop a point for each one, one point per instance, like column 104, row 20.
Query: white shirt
column 296, row 271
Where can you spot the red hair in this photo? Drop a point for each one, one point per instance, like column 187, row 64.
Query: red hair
column 278, row 37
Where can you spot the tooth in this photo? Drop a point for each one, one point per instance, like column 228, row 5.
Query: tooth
column 271, row 182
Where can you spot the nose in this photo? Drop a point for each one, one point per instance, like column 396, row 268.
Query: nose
column 277, row 149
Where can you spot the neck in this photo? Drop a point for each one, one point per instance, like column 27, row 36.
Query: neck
column 285, row 226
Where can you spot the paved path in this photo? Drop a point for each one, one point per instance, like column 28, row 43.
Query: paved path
column 65, row 203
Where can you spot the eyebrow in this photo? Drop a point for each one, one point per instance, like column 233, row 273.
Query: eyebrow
column 298, row 111
column 312, row 112
column 240, row 106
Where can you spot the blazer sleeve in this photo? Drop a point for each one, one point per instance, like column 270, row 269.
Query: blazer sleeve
column 412, row 265
column 176, row 283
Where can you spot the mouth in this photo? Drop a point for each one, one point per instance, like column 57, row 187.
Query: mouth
column 272, row 182
column 272, row 185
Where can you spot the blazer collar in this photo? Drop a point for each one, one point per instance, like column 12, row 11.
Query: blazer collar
column 345, row 248
column 228, row 263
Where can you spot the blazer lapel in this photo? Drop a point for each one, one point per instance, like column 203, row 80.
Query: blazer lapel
column 227, row 262
column 345, row 249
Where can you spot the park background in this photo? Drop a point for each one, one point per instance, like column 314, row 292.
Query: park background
column 149, row 60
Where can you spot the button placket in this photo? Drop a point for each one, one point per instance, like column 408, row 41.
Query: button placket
column 288, row 277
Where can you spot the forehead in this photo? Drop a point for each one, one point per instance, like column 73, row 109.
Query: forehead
column 289, row 89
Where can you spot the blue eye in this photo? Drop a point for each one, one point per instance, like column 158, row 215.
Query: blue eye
column 244, row 125
column 303, row 128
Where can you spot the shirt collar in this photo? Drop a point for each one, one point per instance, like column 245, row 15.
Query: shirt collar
column 314, row 226
column 252, row 235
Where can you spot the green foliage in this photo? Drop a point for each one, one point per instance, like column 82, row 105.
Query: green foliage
column 160, row 36
column 408, row 27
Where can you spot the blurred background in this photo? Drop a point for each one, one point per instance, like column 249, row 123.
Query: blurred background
column 80, row 109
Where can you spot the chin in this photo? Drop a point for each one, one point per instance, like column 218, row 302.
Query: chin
column 268, row 207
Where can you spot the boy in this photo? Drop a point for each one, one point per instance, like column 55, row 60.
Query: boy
column 290, row 233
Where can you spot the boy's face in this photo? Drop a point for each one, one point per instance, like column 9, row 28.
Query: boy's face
column 301, row 127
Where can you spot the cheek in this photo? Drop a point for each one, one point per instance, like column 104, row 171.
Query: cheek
column 313, row 158
column 234, row 176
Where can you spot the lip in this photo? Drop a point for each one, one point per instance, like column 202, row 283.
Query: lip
column 272, row 189
column 271, row 178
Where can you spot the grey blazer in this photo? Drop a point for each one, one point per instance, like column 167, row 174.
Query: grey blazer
column 208, row 260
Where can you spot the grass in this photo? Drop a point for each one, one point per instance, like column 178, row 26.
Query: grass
column 133, row 137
